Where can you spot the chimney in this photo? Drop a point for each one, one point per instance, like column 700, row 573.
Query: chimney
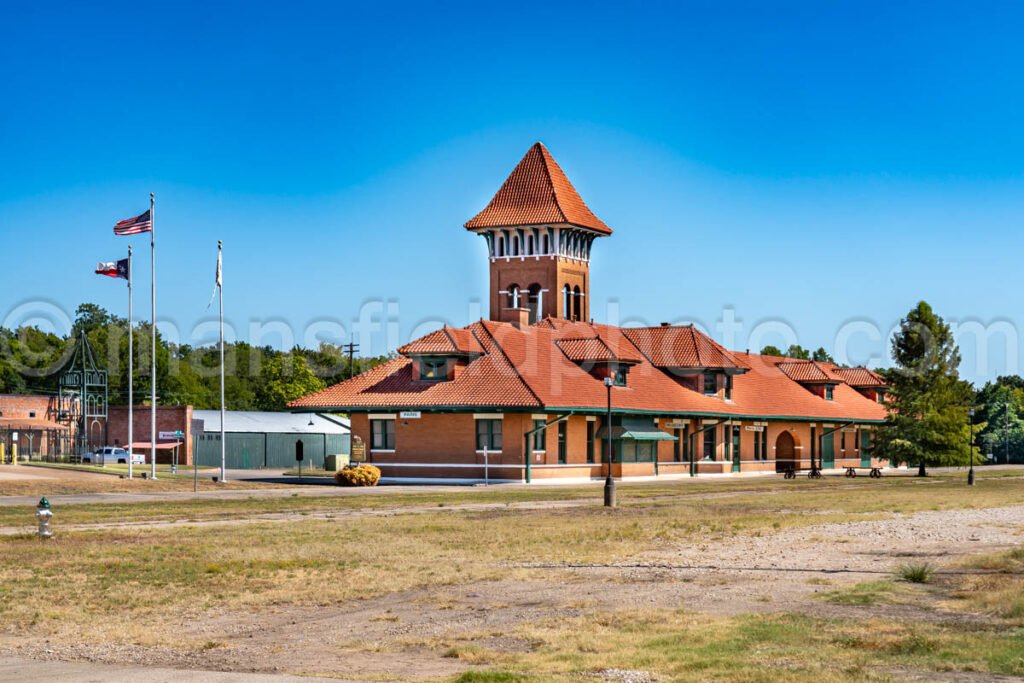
column 518, row 317
column 666, row 324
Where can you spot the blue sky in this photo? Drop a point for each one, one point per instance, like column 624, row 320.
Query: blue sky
column 817, row 167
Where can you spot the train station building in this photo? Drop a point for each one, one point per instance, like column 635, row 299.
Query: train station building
column 522, row 396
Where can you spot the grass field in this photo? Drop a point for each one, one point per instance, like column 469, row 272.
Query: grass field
column 320, row 556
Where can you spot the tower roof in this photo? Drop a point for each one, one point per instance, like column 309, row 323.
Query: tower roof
column 537, row 192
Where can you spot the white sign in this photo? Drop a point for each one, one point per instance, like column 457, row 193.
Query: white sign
column 409, row 414
column 169, row 436
column 675, row 424
column 849, row 430
column 754, row 428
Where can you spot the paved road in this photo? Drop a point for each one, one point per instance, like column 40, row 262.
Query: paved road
column 31, row 671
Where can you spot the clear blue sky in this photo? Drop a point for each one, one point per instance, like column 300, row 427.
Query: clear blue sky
column 811, row 163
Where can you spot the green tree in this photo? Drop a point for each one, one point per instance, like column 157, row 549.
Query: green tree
column 1002, row 409
column 771, row 350
column 284, row 378
column 927, row 401
column 822, row 356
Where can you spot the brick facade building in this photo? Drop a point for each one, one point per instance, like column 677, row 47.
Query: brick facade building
column 524, row 395
column 168, row 419
column 31, row 425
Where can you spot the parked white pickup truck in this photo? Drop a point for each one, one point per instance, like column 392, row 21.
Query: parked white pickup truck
column 110, row 455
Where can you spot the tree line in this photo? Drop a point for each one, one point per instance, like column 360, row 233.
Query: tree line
column 255, row 377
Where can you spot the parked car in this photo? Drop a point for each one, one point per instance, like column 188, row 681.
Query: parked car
column 109, row 455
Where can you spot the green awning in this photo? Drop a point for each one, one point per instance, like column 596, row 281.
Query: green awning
column 638, row 430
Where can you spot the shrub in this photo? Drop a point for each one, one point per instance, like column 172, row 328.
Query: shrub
column 916, row 573
column 360, row 475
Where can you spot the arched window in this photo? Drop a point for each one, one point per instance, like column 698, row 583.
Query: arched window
column 577, row 304
column 513, row 296
column 501, row 246
column 566, row 302
column 545, row 244
column 529, row 245
column 533, row 302
column 515, row 245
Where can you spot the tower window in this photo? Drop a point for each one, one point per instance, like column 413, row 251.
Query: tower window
column 566, row 302
column 515, row 245
column 501, row 246
column 577, row 304
column 513, row 296
column 529, row 245
column 545, row 244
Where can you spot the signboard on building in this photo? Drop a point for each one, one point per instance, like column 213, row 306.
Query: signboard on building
column 754, row 428
column 675, row 424
column 170, row 436
column 358, row 449
column 409, row 415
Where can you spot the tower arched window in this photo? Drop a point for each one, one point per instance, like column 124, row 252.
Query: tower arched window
column 577, row 304
column 566, row 302
column 529, row 245
column 533, row 302
column 545, row 244
column 515, row 245
column 513, row 296
column 501, row 246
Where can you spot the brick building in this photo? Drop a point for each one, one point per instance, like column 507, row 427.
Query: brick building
column 523, row 397
column 32, row 426
column 168, row 419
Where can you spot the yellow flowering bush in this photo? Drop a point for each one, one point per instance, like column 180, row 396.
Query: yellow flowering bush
column 359, row 475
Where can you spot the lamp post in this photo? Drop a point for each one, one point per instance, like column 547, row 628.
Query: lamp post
column 970, row 453
column 609, row 482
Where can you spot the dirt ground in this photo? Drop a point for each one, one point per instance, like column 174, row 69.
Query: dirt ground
column 395, row 637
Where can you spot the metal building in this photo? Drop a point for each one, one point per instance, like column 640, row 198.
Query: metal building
column 257, row 440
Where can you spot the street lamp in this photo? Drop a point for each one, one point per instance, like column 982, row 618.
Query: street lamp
column 609, row 483
column 970, row 446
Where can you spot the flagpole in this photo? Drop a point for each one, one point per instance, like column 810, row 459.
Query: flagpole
column 152, row 370
column 131, row 375
column 220, row 287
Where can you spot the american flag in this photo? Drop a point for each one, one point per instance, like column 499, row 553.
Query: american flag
column 133, row 226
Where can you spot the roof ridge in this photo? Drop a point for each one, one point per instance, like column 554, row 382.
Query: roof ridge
column 545, row 156
column 522, row 380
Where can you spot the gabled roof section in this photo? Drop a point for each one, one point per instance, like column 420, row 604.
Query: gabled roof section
column 808, row 372
column 448, row 341
column 593, row 350
column 537, row 193
column 861, row 378
column 682, row 346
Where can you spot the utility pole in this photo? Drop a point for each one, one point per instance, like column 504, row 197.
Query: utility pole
column 351, row 349
column 1006, row 432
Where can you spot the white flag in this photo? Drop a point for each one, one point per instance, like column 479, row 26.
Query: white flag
column 219, row 282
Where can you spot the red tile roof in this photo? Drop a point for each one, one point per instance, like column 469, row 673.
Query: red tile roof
column 528, row 368
column 448, row 341
column 860, row 378
column 808, row 371
column 537, row 193
column 680, row 347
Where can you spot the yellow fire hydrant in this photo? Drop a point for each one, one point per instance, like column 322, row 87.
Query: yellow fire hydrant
column 44, row 514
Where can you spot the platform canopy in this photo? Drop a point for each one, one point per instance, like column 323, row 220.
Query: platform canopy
column 638, row 429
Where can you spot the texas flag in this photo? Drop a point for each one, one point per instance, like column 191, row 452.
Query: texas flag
column 113, row 268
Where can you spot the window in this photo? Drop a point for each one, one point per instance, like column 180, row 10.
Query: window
column 619, row 373
column 515, row 245
column 728, row 387
column 562, row 429
column 590, row 441
column 709, row 443
column 686, row 443
column 382, row 435
column 764, row 442
column 842, row 441
column 710, row 384
column 501, row 246
column 529, row 245
column 538, row 437
column 31, row 414
column 577, row 304
column 677, row 446
column 433, row 368
column 828, row 392
column 545, row 245
column 513, row 296
column 566, row 302
column 736, row 442
column 814, row 444
column 488, row 435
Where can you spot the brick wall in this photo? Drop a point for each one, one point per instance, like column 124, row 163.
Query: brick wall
column 168, row 419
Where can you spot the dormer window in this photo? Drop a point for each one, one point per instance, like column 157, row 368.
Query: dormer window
column 710, row 383
column 433, row 369
column 828, row 392
column 619, row 373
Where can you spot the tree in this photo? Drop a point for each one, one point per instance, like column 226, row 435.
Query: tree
column 284, row 378
column 1002, row 409
column 822, row 356
column 771, row 350
column 927, row 401
column 797, row 351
